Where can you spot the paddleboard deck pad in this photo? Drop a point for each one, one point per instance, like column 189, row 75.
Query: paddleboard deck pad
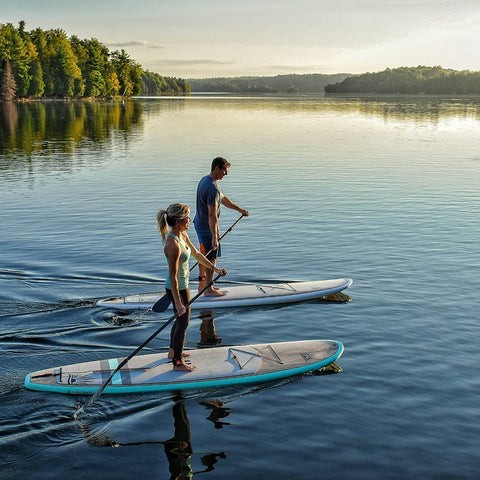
column 219, row 366
column 241, row 295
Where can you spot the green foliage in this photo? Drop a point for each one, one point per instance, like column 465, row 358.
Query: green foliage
column 46, row 63
column 155, row 84
column 7, row 83
column 411, row 80
column 15, row 50
column 313, row 83
column 404, row 80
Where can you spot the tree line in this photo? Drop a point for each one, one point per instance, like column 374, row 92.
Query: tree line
column 48, row 64
column 411, row 80
column 295, row 83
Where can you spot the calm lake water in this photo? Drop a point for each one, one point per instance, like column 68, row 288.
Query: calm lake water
column 381, row 190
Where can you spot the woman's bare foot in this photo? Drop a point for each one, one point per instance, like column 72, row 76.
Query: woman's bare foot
column 170, row 353
column 183, row 367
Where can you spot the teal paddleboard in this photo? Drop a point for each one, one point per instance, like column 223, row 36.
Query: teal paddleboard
column 216, row 367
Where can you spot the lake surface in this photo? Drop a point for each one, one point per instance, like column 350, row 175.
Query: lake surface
column 381, row 190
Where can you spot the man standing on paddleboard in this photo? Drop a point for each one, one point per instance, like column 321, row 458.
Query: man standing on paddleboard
column 209, row 200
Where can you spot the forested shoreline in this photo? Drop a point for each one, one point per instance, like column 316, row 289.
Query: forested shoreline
column 46, row 64
column 411, row 81
column 293, row 83
column 403, row 80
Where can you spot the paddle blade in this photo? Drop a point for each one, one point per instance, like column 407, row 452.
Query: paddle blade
column 162, row 304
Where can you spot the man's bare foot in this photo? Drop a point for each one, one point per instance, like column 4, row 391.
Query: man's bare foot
column 170, row 354
column 214, row 293
column 183, row 367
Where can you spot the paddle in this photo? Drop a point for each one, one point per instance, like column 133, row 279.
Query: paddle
column 162, row 304
column 97, row 394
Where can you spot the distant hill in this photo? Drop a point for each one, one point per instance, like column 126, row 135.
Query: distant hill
column 308, row 83
column 411, row 80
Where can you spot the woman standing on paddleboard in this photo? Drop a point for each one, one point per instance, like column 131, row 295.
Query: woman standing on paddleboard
column 178, row 248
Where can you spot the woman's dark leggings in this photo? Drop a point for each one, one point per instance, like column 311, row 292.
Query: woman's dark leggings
column 179, row 328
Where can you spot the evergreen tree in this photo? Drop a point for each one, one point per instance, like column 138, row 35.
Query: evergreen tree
column 37, row 85
column 45, row 52
column 63, row 62
column 123, row 67
column 7, row 85
column 13, row 49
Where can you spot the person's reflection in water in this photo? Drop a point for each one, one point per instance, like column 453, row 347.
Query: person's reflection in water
column 217, row 411
column 208, row 334
column 179, row 449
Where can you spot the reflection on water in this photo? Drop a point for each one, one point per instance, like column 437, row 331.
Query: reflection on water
column 404, row 108
column 47, row 128
column 208, row 333
column 59, row 127
column 218, row 411
column 178, row 449
column 413, row 109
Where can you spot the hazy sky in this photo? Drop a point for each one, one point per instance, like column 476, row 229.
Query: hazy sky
column 213, row 38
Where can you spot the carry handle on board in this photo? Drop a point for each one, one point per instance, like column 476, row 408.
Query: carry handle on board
column 97, row 394
column 162, row 303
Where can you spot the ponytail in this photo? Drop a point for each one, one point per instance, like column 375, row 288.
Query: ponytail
column 166, row 219
column 162, row 219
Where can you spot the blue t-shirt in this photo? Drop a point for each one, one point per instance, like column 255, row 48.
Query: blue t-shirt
column 208, row 193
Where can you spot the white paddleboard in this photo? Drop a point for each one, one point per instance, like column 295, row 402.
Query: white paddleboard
column 241, row 295
column 216, row 367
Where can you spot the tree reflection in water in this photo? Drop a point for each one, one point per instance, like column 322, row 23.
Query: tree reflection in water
column 34, row 129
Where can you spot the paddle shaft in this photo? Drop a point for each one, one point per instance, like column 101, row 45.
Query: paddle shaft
column 221, row 238
column 97, row 394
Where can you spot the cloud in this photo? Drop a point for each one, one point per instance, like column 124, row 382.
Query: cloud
column 134, row 43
